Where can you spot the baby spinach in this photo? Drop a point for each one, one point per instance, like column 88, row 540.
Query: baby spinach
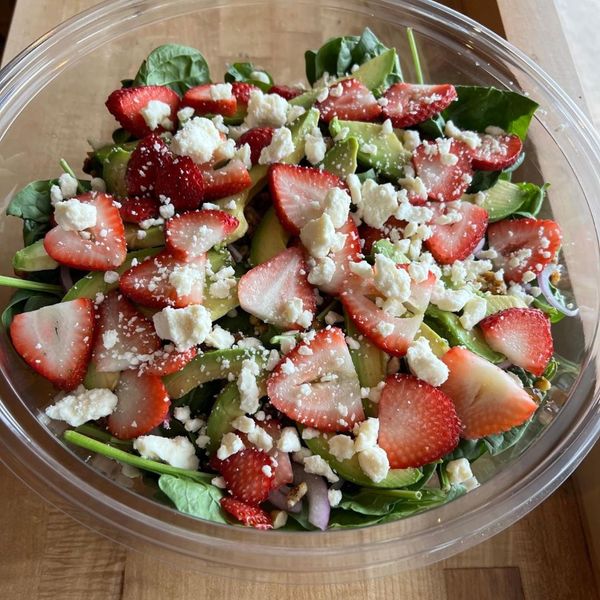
column 495, row 444
column 534, row 199
column 246, row 72
column 25, row 301
column 178, row 67
column 337, row 56
column 198, row 499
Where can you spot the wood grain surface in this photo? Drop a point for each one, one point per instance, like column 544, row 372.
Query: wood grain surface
column 46, row 555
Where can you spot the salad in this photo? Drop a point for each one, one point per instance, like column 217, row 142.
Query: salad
column 289, row 306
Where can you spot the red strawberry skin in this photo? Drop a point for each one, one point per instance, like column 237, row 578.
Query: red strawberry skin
column 355, row 103
column 257, row 138
column 138, row 209
column 167, row 361
column 181, row 180
column 242, row 90
column 496, row 152
column 409, row 104
column 523, row 335
column 225, row 181
column 487, row 400
column 105, row 250
column 286, row 91
column 524, row 245
column 244, row 476
column 456, row 241
column 248, row 514
column 56, row 341
column 418, row 423
column 143, row 405
column 200, row 99
column 144, row 164
column 126, row 105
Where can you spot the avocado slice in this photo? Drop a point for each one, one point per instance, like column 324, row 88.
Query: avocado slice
column 350, row 469
column 114, row 168
column 270, row 238
column 501, row 200
column 155, row 236
column 496, row 303
column 389, row 156
column 95, row 379
column 388, row 249
column 439, row 346
column 33, row 258
column 341, row 158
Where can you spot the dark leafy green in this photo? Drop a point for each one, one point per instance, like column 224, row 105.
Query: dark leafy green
column 337, row 56
column 178, row 67
column 495, row 444
column 25, row 301
column 553, row 314
column 483, row 180
column 246, row 72
column 201, row 398
column 469, row 449
column 534, row 199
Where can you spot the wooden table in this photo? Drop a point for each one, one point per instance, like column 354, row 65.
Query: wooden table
column 46, row 555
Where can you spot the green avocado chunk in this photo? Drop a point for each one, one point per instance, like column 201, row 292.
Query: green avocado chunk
column 269, row 239
column 114, row 168
column 496, row 303
column 33, row 258
column 500, row 201
column 341, row 158
column 155, row 236
column 95, row 379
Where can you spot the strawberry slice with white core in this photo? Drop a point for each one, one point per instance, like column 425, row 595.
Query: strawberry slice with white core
column 164, row 280
column 496, row 152
column 56, row 341
column 225, row 181
column 487, row 399
column 524, row 245
column 257, row 138
column 248, row 514
column 282, row 473
column 392, row 334
column 124, row 337
column 143, row 405
column 349, row 100
column 444, row 167
column 98, row 248
column 298, row 193
column 420, row 291
column 457, row 229
column 277, row 291
column 523, row 335
column 195, row 233
column 210, row 98
column 409, row 103
column 168, row 360
column 417, row 422
column 316, row 384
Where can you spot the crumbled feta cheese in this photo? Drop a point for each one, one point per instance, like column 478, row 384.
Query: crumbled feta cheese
column 366, row 434
column 362, row 269
column 470, row 138
column 474, row 310
column 178, row 451
column 98, row 184
column 322, row 271
column 260, row 438
column 198, row 139
column 377, row 203
column 223, row 282
column 185, row 279
column 387, row 127
column 337, row 206
column 308, row 433
column 341, row 447
column 459, row 470
column 391, row 281
column 243, row 154
column 493, row 130
column 185, row 327
column 528, row 276
column 368, row 148
column 411, row 139
column 323, row 94
column 244, row 424
column 332, row 317
column 374, row 463
column 247, row 386
column 185, row 114
column 219, row 482
column 375, row 392
column 300, row 455
column 219, row 338
column 288, row 440
column 110, row 338
column 55, row 195
column 266, row 110
column 314, row 146
column 230, row 444
column 157, row 114
column 111, row 277
column 73, row 215
column 293, row 311
column 221, row 91
column 355, row 187
column 281, row 146
column 67, row 185
column 385, row 329
column 352, row 343
column 319, row 236
column 202, row 441
column 424, row 364
column 183, row 414
column 450, row 300
column 316, row 465
column 81, row 405
column 294, row 112
column 334, row 497
column 288, row 368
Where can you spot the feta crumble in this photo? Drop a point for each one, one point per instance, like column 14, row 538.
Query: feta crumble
column 314, row 146
column 157, row 114
column 424, row 364
column 81, row 405
column 281, row 146
column 73, row 215
column 230, row 444
column 316, row 465
column 248, row 387
column 185, row 327
column 178, row 451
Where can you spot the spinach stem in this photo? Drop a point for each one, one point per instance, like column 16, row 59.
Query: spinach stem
column 415, row 55
column 64, row 165
column 77, row 439
column 25, row 284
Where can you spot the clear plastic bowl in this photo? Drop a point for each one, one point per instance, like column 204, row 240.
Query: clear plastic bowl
column 51, row 101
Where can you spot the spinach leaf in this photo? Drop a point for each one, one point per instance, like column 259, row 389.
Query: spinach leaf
column 380, row 502
column 483, row 180
column 193, row 498
column 24, row 301
column 247, row 72
column 337, row 56
column 201, row 398
column 479, row 107
column 495, row 444
column 178, row 67
column 534, row 199
column 432, row 128
column 469, row 449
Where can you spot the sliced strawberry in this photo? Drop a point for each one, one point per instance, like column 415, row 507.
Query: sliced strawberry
column 201, row 100
column 350, row 252
column 299, row 192
column 181, row 180
column 456, row 241
column 319, row 389
column 242, row 90
column 409, row 103
column 126, row 105
column 420, row 292
column 138, row 209
column 124, row 337
column 195, row 233
column 283, row 473
column 248, row 475
column 524, row 245
column 150, row 282
column 417, row 422
column 248, row 514
column 445, row 168
column 391, row 334
column 370, row 235
column 56, row 341
column 264, row 290
column 143, row 405
column 349, row 100
column 257, row 138
column 487, row 399
column 144, row 164
column 167, row 361
column 105, row 250
column 286, row 91
column 496, row 152
column 225, row 181
column 522, row 335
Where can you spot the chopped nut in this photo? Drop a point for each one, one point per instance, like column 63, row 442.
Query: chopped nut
column 279, row 517
column 491, row 284
column 555, row 277
column 542, row 384
column 296, row 494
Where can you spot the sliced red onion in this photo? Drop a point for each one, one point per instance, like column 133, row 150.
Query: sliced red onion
column 544, row 283
column 479, row 246
column 505, row 364
column 318, row 501
column 235, row 253
column 66, row 280
column 278, row 498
